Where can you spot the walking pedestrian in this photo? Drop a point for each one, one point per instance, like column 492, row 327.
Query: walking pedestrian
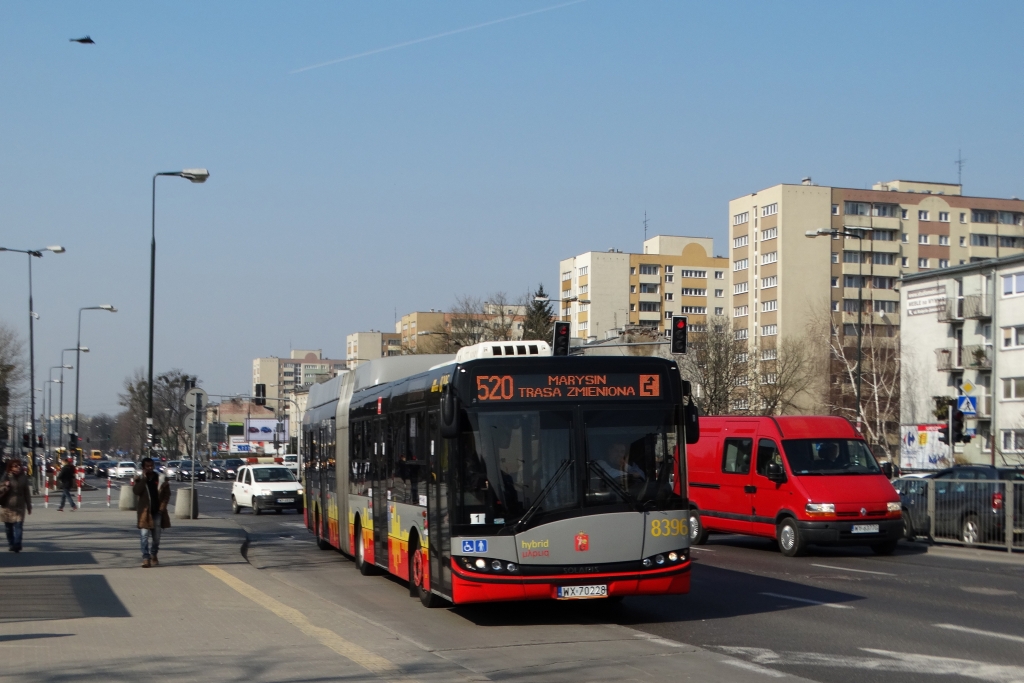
column 15, row 501
column 154, row 495
column 66, row 479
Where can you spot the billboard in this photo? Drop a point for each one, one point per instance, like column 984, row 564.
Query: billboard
column 920, row 448
column 238, row 444
column 263, row 430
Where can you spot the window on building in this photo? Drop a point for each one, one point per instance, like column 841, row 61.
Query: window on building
column 769, row 282
column 583, row 290
column 904, row 261
column 851, row 257
column 648, row 288
column 881, row 259
column 770, row 210
column 943, row 263
column 903, row 214
column 904, row 237
column 632, row 289
column 693, row 291
column 668, row 315
column 719, row 293
column 885, row 306
column 698, row 274
column 648, row 269
column 1013, row 387
column 741, row 264
column 738, row 242
column 769, row 234
column 632, row 307
column 632, row 270
column 1013, row 337
column 669, row 295
column 669, row 269
column 583, row 325
column 922, row 215
column 963, row 217
column 850, row 305
column 741, row 218
column 1012, row 242
column 740, row 287
column 835, row 305
column 696, row 310
column 650, row 306
column 670, row 278
column 849, row 329
column 885, row 210
column 943, row 240
column 982, row 240
column 740, row 334
column 770, row 257
column 740, row 358
column 719, row 274
column 769, row 354
column 739, row 311
column 922, row 263
column 943, row 216
column 1013, row 284
column 1013, row 440
column 983, row 216
column 883, row 282
column 769, row 378
column 769, row 306
column 1011, row 218
column 857, row 209
column 719, row 310
column 835, row 282
column 769, row 330
column 963, row 241
column 583, row 270
column 567, row 275
column 854, row 280
column 922, row 239
column 883, row 235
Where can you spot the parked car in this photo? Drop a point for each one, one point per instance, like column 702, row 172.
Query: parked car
column 231, row 467
column 968, row 503
column 266, row 487
column 184, row 472
column 124, row 469
column 799, row 480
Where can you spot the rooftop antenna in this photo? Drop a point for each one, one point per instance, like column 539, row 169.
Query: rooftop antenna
column 960, row 161
column 645, row 225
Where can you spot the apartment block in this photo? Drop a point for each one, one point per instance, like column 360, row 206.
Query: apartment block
column 963, row 336
column 781, row 280
column 415, row 330
column 283, row 376
column 364, row 346
column 602, row 293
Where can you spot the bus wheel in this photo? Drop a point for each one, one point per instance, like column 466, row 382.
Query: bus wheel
column 362, row 565
column 698, row 534
column 417, row 577
column 320, row 542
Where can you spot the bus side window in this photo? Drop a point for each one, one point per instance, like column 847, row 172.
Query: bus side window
column 415, row 462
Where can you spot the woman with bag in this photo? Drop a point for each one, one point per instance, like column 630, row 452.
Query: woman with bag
column 15, row 501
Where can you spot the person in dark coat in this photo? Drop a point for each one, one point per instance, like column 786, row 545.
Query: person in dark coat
column 66, row 479
column 15, row 502
column 154, row 495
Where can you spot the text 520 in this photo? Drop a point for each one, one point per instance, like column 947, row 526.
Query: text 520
column 494, row 387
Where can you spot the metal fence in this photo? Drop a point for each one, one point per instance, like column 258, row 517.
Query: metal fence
column 984, row 513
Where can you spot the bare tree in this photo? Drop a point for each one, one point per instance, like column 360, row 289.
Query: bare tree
column 716, row 364
column 169, row 410
column 12, row 371
column 778, row 372
column 499, row 317
column 130, row 428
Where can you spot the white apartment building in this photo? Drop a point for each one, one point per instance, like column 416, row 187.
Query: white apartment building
column 363, row 346
column 283, row 376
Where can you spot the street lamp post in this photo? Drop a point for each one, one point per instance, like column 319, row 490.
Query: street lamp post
column 33, row 253
column 834, row 233
column 78, row 352
column 49, row 414
column 83, row 349
column 195, row 175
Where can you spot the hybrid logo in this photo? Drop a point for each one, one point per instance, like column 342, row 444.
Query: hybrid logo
column 535, row 548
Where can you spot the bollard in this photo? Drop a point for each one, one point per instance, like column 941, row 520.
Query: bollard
column 46, row 492
column 128, row 499
column 183, row 501
column 108, row 491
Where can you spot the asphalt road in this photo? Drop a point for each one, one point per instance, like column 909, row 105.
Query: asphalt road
column 837, row 615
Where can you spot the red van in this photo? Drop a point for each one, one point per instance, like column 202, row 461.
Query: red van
column 799, row 480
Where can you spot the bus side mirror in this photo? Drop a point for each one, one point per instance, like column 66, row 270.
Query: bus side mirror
column 691, row 422
column 776, row 473
column 449, row 413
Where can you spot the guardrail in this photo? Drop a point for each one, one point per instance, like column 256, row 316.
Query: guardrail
column 981, row 513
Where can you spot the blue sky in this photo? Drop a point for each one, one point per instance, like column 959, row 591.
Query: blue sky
column 463, row 165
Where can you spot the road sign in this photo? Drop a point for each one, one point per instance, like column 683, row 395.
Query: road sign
column 968, row 405
column 967, row 387
column 190, row 422
column 192, row 395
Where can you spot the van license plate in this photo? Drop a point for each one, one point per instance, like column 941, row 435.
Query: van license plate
column 582, row 592
column 285, row 500
column 865, row 528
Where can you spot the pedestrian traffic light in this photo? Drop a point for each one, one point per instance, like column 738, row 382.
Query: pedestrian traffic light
column 40, row 442
column 26, row 440
column 560, row 344
column 957, row 425
column 678, row 339
column 261, row 395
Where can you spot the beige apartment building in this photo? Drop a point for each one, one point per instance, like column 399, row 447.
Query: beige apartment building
column 415, row 330
column 781, row 281
column 283, row 376
column 364, row 346
column 602, row 293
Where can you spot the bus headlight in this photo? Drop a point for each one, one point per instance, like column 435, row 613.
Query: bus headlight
column 672, row 557
column 480, row 563
column 512, row 568
column 496, row 565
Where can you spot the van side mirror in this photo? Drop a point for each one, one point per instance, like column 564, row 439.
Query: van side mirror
column 887, row 469
column 691, row 422
column 776, row 473
column 449, row 413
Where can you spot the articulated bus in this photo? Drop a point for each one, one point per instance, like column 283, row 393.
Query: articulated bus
column 504, row 473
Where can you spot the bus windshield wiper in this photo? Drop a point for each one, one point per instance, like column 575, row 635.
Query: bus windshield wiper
column 525, row 519
column 608, row 479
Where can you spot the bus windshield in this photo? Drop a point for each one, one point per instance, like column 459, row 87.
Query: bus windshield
column 829, row 457
column 630, row 457
column 516, row 465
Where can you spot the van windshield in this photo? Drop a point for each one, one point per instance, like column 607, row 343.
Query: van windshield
column 829, row 457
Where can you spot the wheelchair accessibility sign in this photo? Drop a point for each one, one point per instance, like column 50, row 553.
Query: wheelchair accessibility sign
column 477, row 546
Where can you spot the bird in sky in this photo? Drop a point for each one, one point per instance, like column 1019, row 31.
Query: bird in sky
column 84, row 41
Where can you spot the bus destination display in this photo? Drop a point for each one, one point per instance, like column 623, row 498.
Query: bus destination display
column 567, row 386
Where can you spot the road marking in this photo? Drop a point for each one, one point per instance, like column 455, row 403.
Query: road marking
column 349, row 650
column 809, row 602
column 847, row 569
column 750, row 666
column 979, row 632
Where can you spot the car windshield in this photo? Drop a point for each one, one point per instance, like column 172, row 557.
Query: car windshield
column 516, row 464
column 829, row 457
column 264, row 474
column 630, row 456
column 127, row 464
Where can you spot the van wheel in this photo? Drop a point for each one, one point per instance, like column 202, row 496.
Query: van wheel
column 234, row 506
column 791, row 541
column 970, row 532
column 886, row 548
column 364, row 567
column 698, row 534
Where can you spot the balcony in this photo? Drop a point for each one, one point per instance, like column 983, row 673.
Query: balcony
column 977, row 307
column 952, row 311
column 949, row 360
column 978, row 357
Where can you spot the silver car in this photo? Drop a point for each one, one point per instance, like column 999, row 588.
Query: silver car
column 124, row 469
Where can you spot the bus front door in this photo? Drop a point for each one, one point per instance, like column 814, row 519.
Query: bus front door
column 439, row 528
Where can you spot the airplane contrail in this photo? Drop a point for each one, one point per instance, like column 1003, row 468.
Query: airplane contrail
column 435, row 36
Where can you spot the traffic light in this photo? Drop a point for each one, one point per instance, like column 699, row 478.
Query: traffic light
column 560, row 344
column 944, row 435
column 957, row 425
column 261, row 395
column 40, row 441
column 678, row 342
column 72, row 441
column 26, row 440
